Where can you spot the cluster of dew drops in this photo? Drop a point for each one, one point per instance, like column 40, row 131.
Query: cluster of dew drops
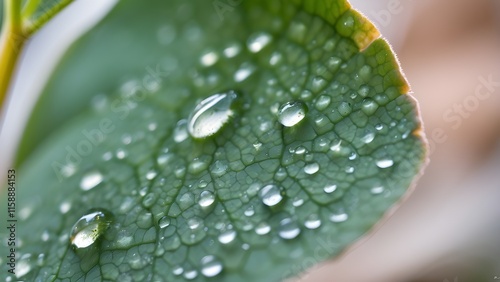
column 208, row 118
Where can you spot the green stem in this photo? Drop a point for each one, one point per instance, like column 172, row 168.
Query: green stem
column 32, row 26
column 11, row 41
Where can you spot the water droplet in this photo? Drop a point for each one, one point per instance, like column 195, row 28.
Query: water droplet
column 209, row 58
column 276, row 58
column 298, row 202
column 257, row 41
column 377, row 190
column 191, row 274
column 318, row 83
column 262, row 228
column 249, row 212
column 181, row 131
column 23, row 266
column 243, row 72
column 227, row 237
column 210, row 266
column 90, row 180
column 339, row 217
column 232, row 50
column 207, row 198
column 194, row 223
column 219, row 168
column 178, row 270
column 323, row 102
column 64, row 207
column 368, row 137
column 150, row 175
column 90, row 227
column 330, row 188
column 270, row 195
column 164, row 222
column 211, row 114
column 312, row 222
column 369, row 106
column 291, row 113
column 121, row 154
column 311, row 168
column 385, row 163
column 349, row 169
column 288, row 229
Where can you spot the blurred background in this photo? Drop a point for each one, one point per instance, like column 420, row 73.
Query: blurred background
column 448, row 229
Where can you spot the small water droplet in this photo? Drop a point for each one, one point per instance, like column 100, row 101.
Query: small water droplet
column 194, row 223
column 262, row 228
column 210, row 266
column 121, row 154
column 339, row 217
column 90, row 227
column 249, row 212
column 323, row 102
column 385, row 163
column 349, row 169
column 209, row 58
column 164, row 222
column 243, row 72
column 258, row 41
column 64, row 207
column 207, row 198
column 181, row 131
column 150, row 175
column 276, row 58
column 227, row 237
column 232, row 50
column 23, row 266
column 377, row 190
column 90, row 180
column 219, row 168
column 191, row 274
column 330, row 188
column 312, row 222
column 178, row 270
column 211, row 114
column 270, row 195
column 368, row 137
column 311, row 168
column 291, row 113
column 318, row 83
column 369, row 106
column 288, row 229
column 298, row 202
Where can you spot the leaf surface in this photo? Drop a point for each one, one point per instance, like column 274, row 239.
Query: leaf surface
column 114, row 137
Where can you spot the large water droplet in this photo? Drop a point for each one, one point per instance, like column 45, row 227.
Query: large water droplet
column 90, row 180
column 210, row 266
column 288, row 229
column 257, row 42
column 291, row 113
column 90, row 227
column 211, row 114
column 270, row 195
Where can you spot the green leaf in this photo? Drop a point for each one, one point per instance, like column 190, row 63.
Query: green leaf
column 260, row 196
